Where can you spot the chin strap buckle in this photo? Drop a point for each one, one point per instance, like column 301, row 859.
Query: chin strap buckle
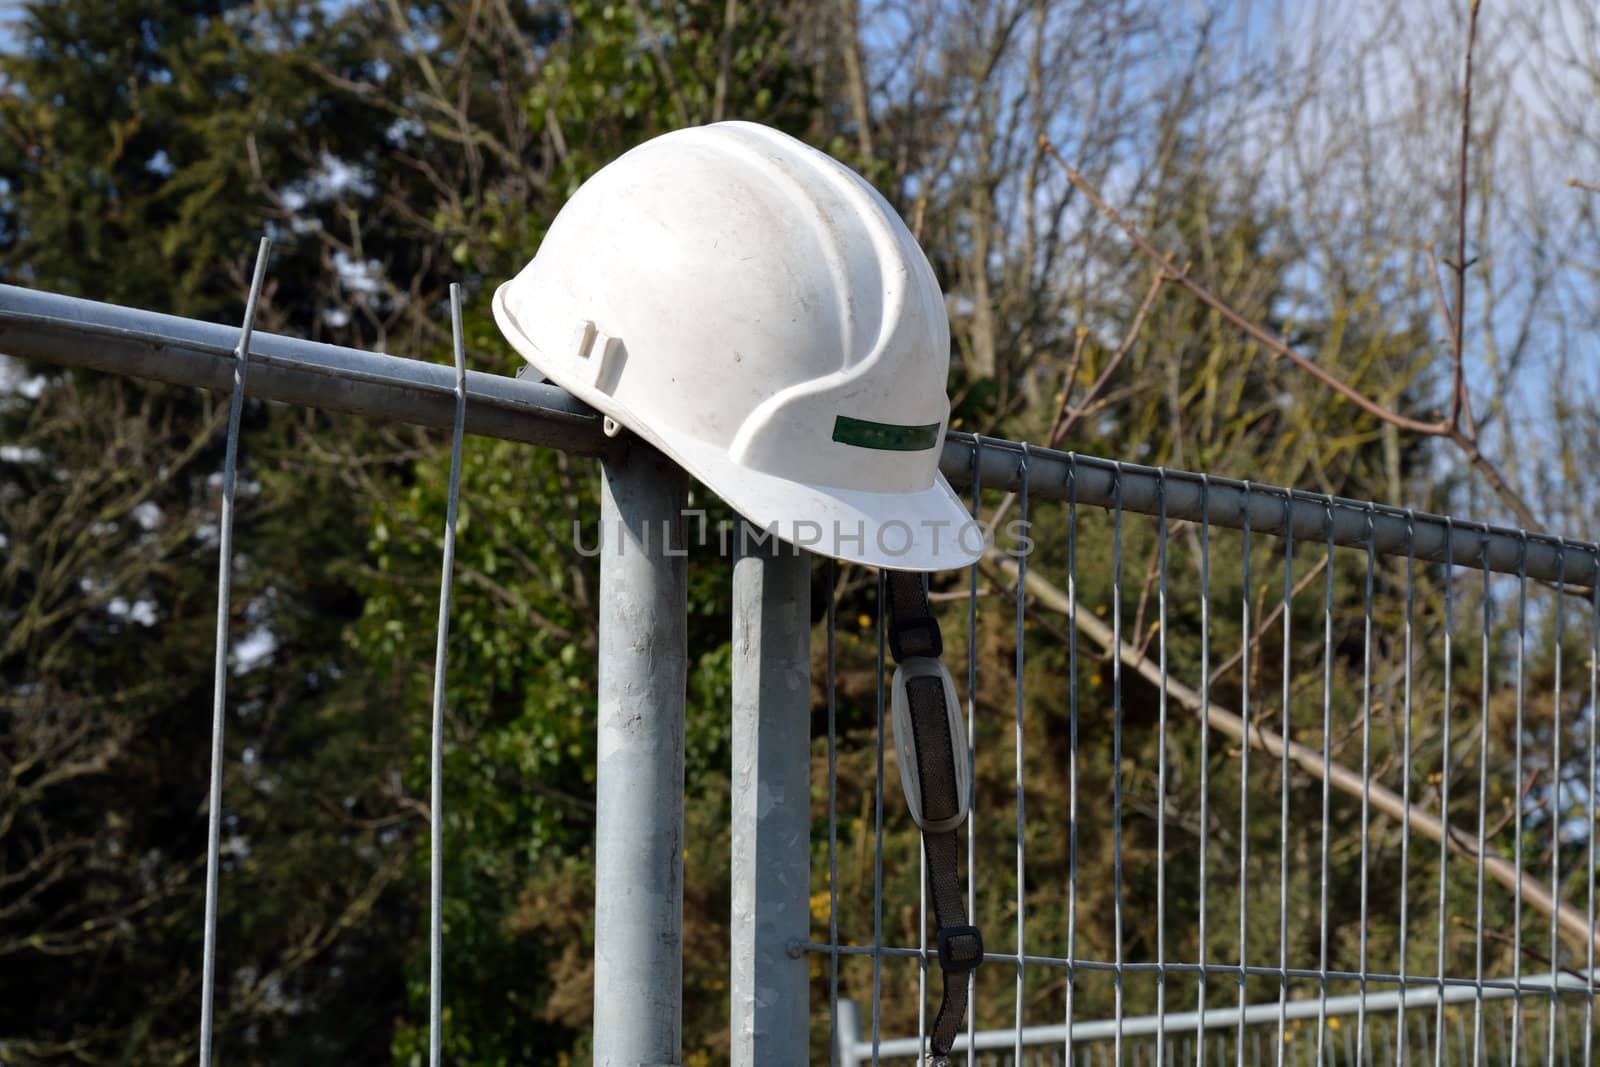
column 960, row 949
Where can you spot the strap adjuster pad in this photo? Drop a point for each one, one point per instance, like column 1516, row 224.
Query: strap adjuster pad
column 948, row 812
column 960, row 948
column 910, row 638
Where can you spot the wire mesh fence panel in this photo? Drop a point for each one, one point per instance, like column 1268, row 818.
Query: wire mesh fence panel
column 1259, row 776
column 1235, row 747
column 254, row 366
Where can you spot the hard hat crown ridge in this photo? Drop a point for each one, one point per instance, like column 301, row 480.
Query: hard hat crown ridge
column 759, row 312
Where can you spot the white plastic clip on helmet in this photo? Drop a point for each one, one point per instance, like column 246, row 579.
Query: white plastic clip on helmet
column 754, row 308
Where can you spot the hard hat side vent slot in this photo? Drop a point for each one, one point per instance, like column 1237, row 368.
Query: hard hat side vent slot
column 608, row 368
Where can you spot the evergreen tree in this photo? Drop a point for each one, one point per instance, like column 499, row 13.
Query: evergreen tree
column 130, row 131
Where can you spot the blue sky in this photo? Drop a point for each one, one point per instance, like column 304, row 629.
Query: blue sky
column 10, row 11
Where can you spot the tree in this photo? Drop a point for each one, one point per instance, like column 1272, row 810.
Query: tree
column 141, row 194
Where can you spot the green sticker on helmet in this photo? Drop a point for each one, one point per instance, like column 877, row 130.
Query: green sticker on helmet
column 886, row 436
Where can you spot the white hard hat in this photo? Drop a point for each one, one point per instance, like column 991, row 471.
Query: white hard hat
column 754, row 309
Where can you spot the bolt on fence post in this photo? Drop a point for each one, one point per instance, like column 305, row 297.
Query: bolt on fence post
column 638, row 939
column 770, row 1013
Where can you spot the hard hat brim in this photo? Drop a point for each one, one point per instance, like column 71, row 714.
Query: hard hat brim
column 927, row 530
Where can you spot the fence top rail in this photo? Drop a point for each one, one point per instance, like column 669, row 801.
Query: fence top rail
column 996, row 463
column 73, row 331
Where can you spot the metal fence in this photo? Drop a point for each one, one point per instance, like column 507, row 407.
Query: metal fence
column 1236, row 747
column 1364, row 762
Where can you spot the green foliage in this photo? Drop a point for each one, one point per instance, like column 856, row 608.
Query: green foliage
column 520, row 767
column 125, row 177
column 315, row 120
column 109, row 602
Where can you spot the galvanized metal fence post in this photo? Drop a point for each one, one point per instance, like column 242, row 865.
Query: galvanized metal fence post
column 771, row 802
column 638, row 940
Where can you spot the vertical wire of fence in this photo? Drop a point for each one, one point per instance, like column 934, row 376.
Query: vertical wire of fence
column 1327, row 780
column 1386, row 827
column 240, row 359
column 831, row 624
column 1072, row 752
column 877, row 822
column 1591, row 812
column 1447, row 712
column 1161, row 773
column 1283, row 797
column 1019, row 676
column 1242, row 974
column 973, row 577
column 1366, row 787
column 1205, row 762
column 436, row 725
column 1405, row 784
column 219, row 702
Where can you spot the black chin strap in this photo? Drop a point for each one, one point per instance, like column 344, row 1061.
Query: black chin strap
column 914, row 634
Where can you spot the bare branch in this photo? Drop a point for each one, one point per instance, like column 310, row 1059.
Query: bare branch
column 1453, row 338
column 658, row 52
column 1266, row 337
column 1497, row 481
column 856, row 78
column 1269, row 620
column 1068, row 380
column 1465, row 441
column 1459, row 388
column 1082, row 407
column 719, row 99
